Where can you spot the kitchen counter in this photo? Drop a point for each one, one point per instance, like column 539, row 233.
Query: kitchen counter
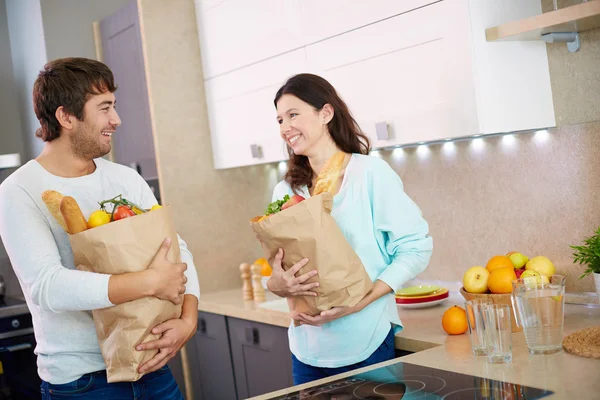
column 231, row 304
column 565, row 374
column 423, row 328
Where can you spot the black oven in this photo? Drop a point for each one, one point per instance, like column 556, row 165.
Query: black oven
column 19, row 379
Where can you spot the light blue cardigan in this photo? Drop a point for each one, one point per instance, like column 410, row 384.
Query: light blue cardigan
column 389, row 234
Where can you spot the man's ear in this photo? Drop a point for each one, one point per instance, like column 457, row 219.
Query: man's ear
column 327, row 113
column 64, row 118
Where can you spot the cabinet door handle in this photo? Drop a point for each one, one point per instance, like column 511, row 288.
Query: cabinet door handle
column 202, row 325
column 252, row 336
column 256, row 151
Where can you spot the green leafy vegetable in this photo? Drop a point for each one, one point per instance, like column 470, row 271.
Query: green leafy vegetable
column 275, row 206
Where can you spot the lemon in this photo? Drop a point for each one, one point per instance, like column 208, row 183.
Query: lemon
column 156, row 207
column 98, row 218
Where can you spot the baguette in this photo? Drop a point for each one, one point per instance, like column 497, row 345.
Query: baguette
column 52, row 200
column 73, row 216
column 330, row 174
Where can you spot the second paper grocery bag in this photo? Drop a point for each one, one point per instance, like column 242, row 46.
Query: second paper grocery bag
column 307, row 230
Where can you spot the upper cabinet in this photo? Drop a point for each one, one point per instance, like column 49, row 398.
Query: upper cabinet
column 242, row 115
column 237, row 33
column 420, row 69
column 410, row 72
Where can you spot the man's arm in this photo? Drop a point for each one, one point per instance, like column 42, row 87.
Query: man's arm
column 36, row 260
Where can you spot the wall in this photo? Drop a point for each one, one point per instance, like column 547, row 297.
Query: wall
column 537, row 195
column 10, row 135
column 11, row 140
column 212, row 207
column 68, row 25
column 575, row 82
column 28, row 57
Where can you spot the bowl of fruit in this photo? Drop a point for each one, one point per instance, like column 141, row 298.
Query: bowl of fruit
column 494, row 281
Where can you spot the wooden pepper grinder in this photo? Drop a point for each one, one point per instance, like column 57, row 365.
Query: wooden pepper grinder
column 247, row 286
column 259, row 291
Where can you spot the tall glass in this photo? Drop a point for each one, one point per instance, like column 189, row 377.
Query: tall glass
column 539, row 304
column 474, row 310
column 498, row 333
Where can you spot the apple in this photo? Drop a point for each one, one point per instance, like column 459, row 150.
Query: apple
column 518, row 259
column 519, row 272
column 475, row 279
column 542, row 265
column 531, row 277
column 295, row 199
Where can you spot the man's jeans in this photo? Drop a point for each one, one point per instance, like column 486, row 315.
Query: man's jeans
column 158, row 385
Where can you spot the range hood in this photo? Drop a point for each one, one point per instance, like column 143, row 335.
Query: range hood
column 10, row 160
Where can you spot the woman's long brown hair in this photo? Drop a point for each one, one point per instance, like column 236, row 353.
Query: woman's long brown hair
column 344, row 130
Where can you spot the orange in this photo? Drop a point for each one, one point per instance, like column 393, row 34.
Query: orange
column 266, row 268
column 454, row 321
column 498, row 262
column 500, row 280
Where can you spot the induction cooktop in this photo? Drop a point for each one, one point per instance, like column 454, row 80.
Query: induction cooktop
column 407, row 381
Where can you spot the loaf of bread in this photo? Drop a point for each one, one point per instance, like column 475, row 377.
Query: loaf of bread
column 328, row 177
column 52, row 199
column 73, row 216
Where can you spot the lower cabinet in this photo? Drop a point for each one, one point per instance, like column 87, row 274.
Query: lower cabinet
column 231, row 358
column 262, row 361
column 211, row 370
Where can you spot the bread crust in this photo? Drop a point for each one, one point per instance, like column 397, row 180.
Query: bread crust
column 73, row 216
column 52, row 199
column 330, row 174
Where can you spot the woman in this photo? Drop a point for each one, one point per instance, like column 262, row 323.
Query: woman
column 378, row 219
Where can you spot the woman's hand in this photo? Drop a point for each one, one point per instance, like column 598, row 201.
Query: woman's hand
column 378, row 290
column 286, row 283
column 325, row 316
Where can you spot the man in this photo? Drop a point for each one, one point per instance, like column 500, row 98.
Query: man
column 74, row 101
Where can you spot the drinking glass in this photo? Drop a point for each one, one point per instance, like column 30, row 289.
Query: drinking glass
column 498, row 333
column 474, row 310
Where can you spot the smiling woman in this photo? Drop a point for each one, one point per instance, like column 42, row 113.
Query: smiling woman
column 381, row 223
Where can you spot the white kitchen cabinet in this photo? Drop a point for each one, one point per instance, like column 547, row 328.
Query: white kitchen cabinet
column 430, row 75
column 324, row 19
column 403, row 71
column 422, row 67
column 237, row 33
column 242, row 114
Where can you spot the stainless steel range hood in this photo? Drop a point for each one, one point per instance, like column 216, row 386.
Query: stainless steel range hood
column 10, row 160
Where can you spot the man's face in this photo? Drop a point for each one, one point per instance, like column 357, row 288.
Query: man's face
column 91, row 137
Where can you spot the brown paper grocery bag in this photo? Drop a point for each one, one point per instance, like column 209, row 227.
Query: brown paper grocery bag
column 127, row 245
column 307, row 230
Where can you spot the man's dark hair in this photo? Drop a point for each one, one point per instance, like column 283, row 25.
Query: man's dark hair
column 67, row 82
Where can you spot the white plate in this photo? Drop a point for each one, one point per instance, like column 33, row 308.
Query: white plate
column 422, row 305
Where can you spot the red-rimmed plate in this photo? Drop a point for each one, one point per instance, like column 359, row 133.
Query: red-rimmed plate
column 425, row 299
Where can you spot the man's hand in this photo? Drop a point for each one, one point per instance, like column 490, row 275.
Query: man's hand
column 167, row 278
column 175, row 333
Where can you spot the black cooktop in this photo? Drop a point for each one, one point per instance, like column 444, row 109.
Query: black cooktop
column 408, row 382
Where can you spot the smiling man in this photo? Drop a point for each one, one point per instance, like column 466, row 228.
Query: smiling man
column 75, row 103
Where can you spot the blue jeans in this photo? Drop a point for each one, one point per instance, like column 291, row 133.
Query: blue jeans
column 303, row 373
column 158, row 385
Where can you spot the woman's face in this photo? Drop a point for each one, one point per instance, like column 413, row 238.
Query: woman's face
column 300, row 125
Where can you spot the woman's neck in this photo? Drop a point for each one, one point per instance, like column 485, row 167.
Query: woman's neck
column 321, row 154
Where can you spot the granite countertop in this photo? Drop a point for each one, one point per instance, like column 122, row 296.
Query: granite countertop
column 565, row 374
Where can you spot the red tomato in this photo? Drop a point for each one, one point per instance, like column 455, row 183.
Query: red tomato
column 122, row 212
